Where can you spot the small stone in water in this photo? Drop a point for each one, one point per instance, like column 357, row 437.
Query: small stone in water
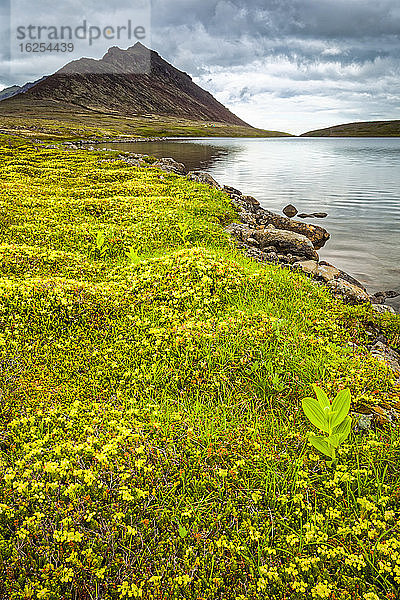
column 290, row 210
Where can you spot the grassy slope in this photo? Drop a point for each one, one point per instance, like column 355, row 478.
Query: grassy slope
column 66, row 122
column 151, row 442
column 361, row 129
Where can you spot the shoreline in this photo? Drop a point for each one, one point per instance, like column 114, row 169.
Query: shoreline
column 153, row 378
column 341, row 283
column 258, row 234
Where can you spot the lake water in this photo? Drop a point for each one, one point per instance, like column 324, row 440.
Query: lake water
column 355, row 180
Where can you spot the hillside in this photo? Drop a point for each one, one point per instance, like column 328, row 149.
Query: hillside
column 359, row 129
column 119, row 86
column 10, row 91
column 15, row 90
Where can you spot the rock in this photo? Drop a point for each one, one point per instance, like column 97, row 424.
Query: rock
column 202, row 177
column 283, row 242
column 286, row 242
column 383, row 308
column 316, row 215
column 349, row 293
column 290, row 210
column 343, row 275
column 327, row 272
column 231, row 191
column 387, row 355
column 316, row 234
column 170, row 166
column 247, row 218
column 380, row 297
column 364, row 423
column 307, row 266
column 250, row 201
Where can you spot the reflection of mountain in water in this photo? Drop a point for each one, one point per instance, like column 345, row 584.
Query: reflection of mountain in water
column 194, row 155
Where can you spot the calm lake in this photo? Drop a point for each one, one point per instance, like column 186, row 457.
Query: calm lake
column 355, row 180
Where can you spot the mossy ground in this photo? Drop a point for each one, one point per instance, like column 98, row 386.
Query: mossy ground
column 151, row 440
column 52, row 121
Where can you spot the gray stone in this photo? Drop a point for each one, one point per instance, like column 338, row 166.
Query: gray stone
column 342, row 275
column 290, row 210
column 327, row 272
column 380, row 297
column 231, row 191
column 364, row 423
column 170, row 166
column 386, row 354
column 283, row 242
column 307, row 266
column 251, row 202
column 202, row 177
column 318, row 235
column 349, row 293
column 383, row 308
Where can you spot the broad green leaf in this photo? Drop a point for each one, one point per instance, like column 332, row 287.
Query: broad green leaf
column 100, row 239
column 341, row 405
column 322, row 397
column 315, row 414
column 182, row 531
column 330, row 415
column 322, row 445
column 343, row 429
column 334, row 439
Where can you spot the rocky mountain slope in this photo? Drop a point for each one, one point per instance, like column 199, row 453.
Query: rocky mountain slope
column 131, row 82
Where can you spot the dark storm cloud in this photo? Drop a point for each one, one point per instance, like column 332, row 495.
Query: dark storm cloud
column 363, row 29
column 327, row 61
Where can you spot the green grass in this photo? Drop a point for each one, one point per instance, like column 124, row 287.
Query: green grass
column 151, row 439
column 50, row 121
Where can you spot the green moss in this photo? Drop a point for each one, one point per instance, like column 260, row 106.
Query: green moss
column 151, row 443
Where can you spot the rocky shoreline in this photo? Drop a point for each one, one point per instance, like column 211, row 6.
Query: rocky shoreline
column 270, row 238
column 263, row 235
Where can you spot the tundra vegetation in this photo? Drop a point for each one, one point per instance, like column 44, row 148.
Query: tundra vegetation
column 152, row 440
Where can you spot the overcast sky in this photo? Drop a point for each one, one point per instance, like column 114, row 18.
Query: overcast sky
column 290, row 65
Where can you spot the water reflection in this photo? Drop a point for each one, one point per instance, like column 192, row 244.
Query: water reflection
column 195, row 156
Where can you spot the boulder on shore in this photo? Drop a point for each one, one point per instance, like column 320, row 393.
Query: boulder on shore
column 202, row 177
column 317, row 215
column 283, row 242
column 351, row 294
column 231, row 191
column 318, row 235
column 170, row 166
column 307, row 266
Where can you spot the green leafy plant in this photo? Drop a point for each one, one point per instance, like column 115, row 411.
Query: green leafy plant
column 101, row 244
column 330, row 417
column 184, row 231
column 182, row 530
column 131, row 254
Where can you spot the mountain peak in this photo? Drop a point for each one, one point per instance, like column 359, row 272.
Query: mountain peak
column 131, row 82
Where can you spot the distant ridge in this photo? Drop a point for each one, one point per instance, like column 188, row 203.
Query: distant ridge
column 115, row 84
column 14, row 90
column 359, row 129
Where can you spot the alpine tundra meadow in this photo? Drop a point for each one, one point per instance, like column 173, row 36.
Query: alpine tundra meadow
column 152, row 441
